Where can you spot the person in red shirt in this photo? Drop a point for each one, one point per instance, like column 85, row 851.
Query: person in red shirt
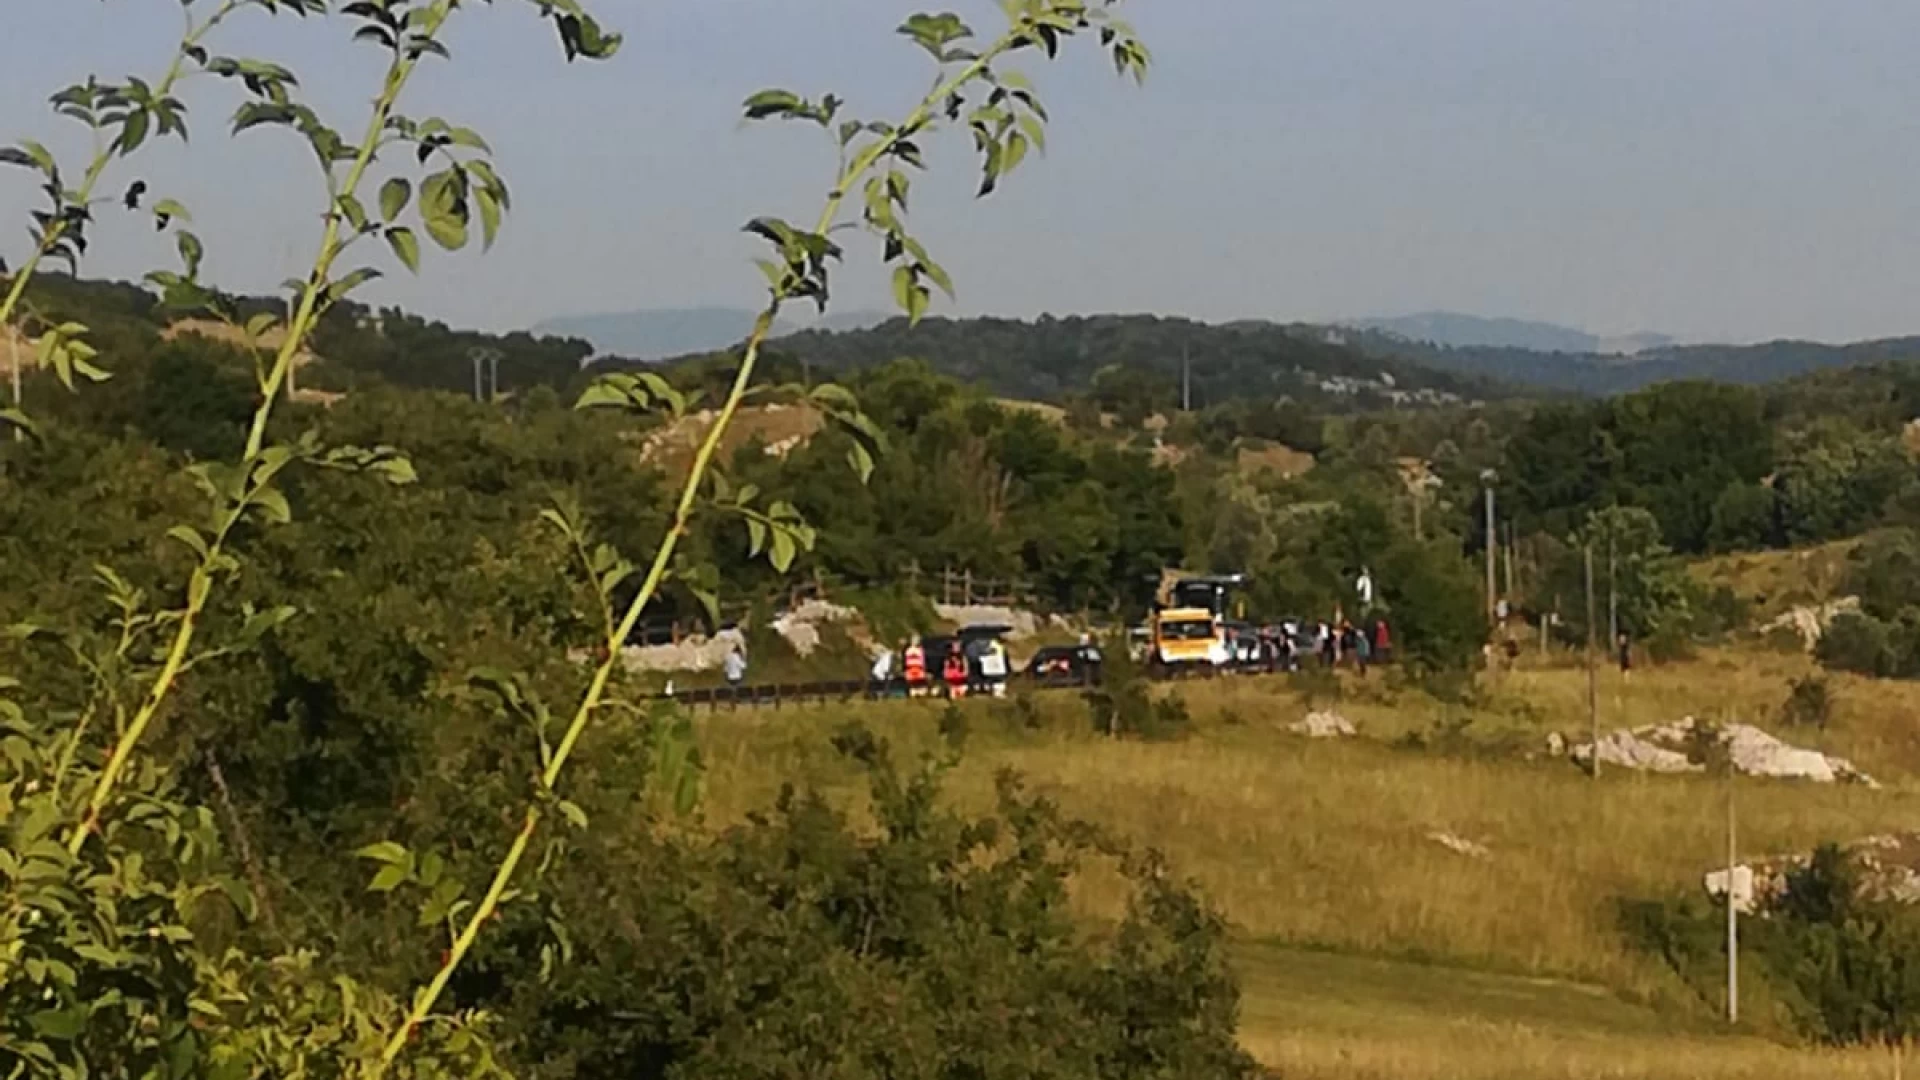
column 1382, row 642
column 914, row 666
column 956, row 673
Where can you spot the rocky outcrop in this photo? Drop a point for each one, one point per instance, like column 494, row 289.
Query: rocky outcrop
column 1324, row 725
column 1674, row 748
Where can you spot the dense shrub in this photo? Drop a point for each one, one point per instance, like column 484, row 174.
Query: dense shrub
column 932, row 945
column 1809, row 703
column 1861, row 644
column 1842, row 963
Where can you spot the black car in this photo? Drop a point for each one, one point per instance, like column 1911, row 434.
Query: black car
column 1065, row 665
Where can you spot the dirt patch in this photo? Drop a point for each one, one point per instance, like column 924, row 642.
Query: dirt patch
column 782, row 428
column 1276, row 458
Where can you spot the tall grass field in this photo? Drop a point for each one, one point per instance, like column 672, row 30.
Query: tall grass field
column 1369, row 948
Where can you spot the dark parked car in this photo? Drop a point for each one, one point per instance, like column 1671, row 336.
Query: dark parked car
column 1065, row 665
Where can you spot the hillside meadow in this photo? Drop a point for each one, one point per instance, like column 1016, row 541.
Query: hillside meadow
column 1367, row 947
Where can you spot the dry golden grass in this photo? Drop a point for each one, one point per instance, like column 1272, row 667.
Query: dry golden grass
column 1052, row 414
column 1315, row 1016
column 1326, row 845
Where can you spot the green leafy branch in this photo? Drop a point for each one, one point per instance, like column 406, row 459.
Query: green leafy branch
column 248, row 490
column 121, row 119
column 799, row 271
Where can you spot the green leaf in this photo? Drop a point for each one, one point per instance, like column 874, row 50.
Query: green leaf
column 339, row 289
column 489, row 216
column 394, row 195
column 191, row 253
column 191, row 537
column 386, row 851
column 354, row 213
column 40, row 156
column 389, row 878
column 904, row 287
column 574, row 815
column 396, row 469
column 1015, row 153
column 602, row 395
column 686, row 793
column 406, row 247
column 468, row 138
column 167, row 210
column 447, row 230
column 133, row 131
column 63, row 1024
column 273, row 506
column 768, row 103
column 709, row 602
column 782, row 551
column 862, row 461
column 19, row 421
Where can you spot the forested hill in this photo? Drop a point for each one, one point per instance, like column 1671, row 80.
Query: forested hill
column 1051, row 359
column 1595, row 374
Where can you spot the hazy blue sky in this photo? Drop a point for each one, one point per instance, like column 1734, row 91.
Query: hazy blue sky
column 1711, row 168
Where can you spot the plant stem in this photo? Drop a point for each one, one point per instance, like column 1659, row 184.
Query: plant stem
column 591, row 700
column 200, row 586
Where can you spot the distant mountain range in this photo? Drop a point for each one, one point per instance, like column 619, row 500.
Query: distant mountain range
column 1455, row 330
column 661, row 333
column 1442, row 353
column 1602, row 375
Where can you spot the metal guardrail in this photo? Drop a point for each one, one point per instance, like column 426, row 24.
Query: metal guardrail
column 782, row 694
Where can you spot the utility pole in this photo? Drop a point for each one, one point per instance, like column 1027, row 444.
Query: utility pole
column 1509, row 557
column 1186, row 379
column 1733, row 912
column 1493, row 543
column 491, row 358
column 1593, row 679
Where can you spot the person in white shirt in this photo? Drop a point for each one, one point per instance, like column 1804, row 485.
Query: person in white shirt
column 882, row 672
column 735, row 668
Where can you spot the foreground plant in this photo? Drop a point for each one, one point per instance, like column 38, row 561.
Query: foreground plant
column 99, row 967
column 109, row 879
column 1000, row 109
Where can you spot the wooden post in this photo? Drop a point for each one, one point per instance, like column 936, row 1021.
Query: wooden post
column 1613, row 596
column 967, row 586
column 1593, row 681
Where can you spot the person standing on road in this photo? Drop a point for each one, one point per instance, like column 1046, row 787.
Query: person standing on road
column 915, row 659
column 956, row 672
column 735, row 669
column 993, row 668
column 1350, row 645
column 882, row 672
column 1090, row 660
